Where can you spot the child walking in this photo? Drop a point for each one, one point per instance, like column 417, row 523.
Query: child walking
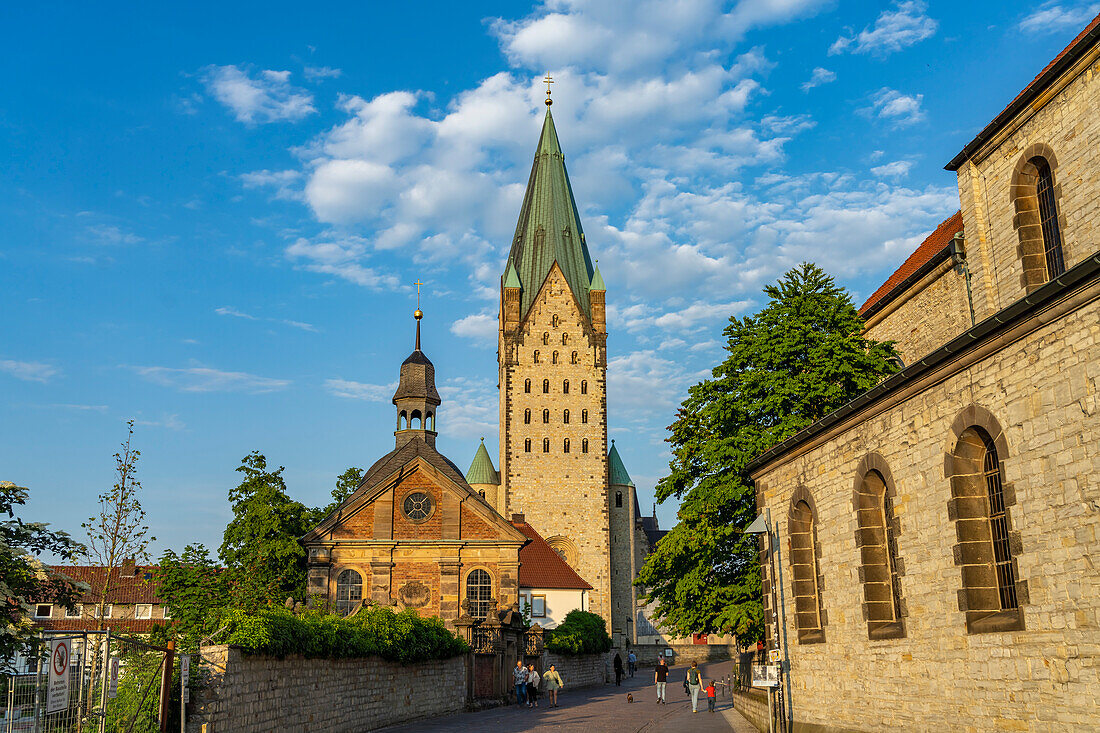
column 712, row 696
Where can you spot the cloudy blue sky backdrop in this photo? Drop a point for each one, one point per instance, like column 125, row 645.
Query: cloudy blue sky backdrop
column 213, row 213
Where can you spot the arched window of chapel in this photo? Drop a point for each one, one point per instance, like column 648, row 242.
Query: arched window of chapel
column 806, row 576
column 349, row 591
column 536, row 356
column 876, row 539
column 574, row 359
column 479, row 591
column 565, row 446
column 565, row 339
column 584, row 445
column 527, row 445
column 545, row 445
column 1037, row 221
column 545, row 339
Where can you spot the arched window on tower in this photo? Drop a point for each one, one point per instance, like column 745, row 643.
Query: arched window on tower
column 481, row 493
column 545, row 416
column 584, row 387
column 554, row 321
column 349, row 591
column 565, row 417
column 527, row 386
column 584, row 416
column 554, row 358
column 618, row 498
column 429, row 421
column 527, row 416
column 574, row 359
column 403, row 421
column 545, row 339
column 527, row 445
column 415, row 421
column 565, row 446
column 546, row 386
column 536, row 356
column 584, row 445
column 565, row 387
column 564, row 339
column 545, row 445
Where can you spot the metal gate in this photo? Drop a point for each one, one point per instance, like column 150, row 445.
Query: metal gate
column 116, row 684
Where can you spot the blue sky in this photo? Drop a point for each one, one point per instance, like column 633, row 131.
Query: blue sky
column 214, row 214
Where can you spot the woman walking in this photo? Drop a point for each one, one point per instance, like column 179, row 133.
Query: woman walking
column 553, row 683
column 532, row 686
column 618, row 669
column 694, row 683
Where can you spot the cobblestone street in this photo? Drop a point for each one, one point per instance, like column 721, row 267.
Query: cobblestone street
column 603, row 708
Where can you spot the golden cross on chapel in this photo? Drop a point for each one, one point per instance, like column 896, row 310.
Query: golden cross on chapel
column 548, row 81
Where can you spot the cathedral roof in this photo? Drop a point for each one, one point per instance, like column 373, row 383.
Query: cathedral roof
column 616, row 471
column 934, row 245
column 540, row 566
column 481, row 470
column 549, row 227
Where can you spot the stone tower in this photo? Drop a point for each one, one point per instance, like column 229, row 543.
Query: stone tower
column 484, row 479
column 625, row 523
column 553, row 358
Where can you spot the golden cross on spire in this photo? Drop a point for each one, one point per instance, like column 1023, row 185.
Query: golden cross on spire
column 548, row 81
column 418, row 314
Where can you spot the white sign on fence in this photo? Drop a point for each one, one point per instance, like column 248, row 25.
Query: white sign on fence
column 185, row 675
column 112, row 687
column 765, row 675
column 58, row 690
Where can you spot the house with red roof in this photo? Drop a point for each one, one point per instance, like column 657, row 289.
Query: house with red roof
column 132, row 604
column 548, row 587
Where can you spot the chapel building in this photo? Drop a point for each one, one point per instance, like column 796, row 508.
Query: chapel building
column 939, row 533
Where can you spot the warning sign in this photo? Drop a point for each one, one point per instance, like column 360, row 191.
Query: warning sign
column 58, row 695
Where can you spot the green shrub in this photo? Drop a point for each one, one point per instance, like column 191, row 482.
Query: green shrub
column 375, row 631
column 580, row 633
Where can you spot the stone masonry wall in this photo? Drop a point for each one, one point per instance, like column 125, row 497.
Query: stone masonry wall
column 253, row 694
column 684, row 653
column 1069, row 125
column 583, row 670
column 1043, row 391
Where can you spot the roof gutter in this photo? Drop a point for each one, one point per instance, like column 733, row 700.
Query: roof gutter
column 950, row 250
column 1076, row 277
column 1072, row 55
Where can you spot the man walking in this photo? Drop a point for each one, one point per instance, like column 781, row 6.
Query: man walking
column 632, row 662
column 660, row 678
column 519, row 676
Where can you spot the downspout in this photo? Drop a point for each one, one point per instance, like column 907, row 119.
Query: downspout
column 958, row 256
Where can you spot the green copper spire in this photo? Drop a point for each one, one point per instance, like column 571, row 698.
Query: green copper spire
column 481, row 470
column 616, row 471
column 511, row 279
column 597, row 280
column 549, row 227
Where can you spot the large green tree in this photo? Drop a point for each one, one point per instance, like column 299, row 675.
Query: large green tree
column 801, row 357
column 260, row 546
column 346, row 484
column 193, row 588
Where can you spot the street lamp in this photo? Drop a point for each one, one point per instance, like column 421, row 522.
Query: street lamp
column 763, row 525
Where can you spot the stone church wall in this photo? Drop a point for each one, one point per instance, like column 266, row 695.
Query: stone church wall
column 1043, row 391
column 1069, row 126
column 584, row 670
column 254, row 694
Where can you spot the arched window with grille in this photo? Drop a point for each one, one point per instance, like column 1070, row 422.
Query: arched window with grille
column 565, row 387
column 554, row 321
column 546, row 386
column 546, row 339
column 565, row 417
column 805, row 574
column 479, row 592
column 536, row 356
column 981, row 507
column 876, row 538
column 584, row 445
column 527, row 416
column 565, row 339
column 545, row 445
column 584, row 416
column 584, row 387
column 1037, row 222
column 618, row 498
column 527, row 445
column 554, row 358
column 565, row 446
column 575, row 359
column 545, row 416
column 527, row 386
column 349, row 591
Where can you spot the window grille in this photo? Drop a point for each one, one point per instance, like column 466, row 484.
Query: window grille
column 1048, row 219
column 584, row 445
column 998, row 525
column 349, row 591
column 565, row 417
column 565, row 446
column 527, row 386
column 527, row 445
column 479, row 591
column 565, row 387
column 527, row 416
column 545, row 445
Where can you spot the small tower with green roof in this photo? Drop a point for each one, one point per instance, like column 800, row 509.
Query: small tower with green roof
column 484, row 478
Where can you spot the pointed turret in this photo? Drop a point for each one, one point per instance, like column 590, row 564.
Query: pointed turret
column 616, row 471
column 549, row 228
column 483, row 477
column 416, row 397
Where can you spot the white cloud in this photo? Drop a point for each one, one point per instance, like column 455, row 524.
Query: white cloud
column 224, row 311
column 896, row 169
column 112, row 235
column 29, row 371
column 1055, row 16
column 469, row 407
column 235, row 313
column 267, row 96
column 341, row 256
column 700, row 312
column 171, row 422
column 360, row 390
column 643, row 383
column 315, row 73
column 283, row 182
column 205, row 379
column 893, row 106
column 901, row 27
column 481, row 327
column 79, row 408
column 819, row 77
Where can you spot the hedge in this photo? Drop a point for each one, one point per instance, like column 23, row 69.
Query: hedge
column 375, row 631
column 580, row 633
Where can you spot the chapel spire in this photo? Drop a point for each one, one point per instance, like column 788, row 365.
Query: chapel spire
column 416, row 397
column 549, row 228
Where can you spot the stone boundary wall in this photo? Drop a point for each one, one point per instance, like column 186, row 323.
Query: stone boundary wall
column 684, row 653
column 255, row 694
column 753, row 705
column 584, row 670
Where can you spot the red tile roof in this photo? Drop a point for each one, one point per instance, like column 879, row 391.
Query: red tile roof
column 139, row 588
column 87, row 623
column 929, row 248
column 1037, row 84
column 541, row 567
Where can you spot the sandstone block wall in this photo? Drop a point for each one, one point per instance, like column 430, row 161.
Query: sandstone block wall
column 1069, row 125
column 1043, row 390
column 583, row 670
column 254, row 694
column 685, row 653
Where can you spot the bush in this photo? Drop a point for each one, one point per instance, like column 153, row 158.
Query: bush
column 580, row 633
column 398, row 637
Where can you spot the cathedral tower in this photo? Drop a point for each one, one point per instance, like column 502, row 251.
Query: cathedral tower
column 553, row 359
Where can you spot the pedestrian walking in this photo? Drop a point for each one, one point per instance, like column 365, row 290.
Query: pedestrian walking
column 660, row 678
column 553, row 683
column 618, row 669
column 533, row 680
column 632, row 662
column 712, row 696
column 519, row 676
column 694, row 685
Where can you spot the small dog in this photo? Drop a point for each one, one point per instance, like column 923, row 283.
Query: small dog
column 629, row 697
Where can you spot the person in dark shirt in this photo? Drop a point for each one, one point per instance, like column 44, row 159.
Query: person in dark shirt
column 618, row 669
column 660, row 677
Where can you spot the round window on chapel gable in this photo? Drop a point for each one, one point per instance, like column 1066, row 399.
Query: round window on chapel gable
column 418, row 506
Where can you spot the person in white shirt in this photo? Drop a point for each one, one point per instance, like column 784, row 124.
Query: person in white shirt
column 532, row 686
